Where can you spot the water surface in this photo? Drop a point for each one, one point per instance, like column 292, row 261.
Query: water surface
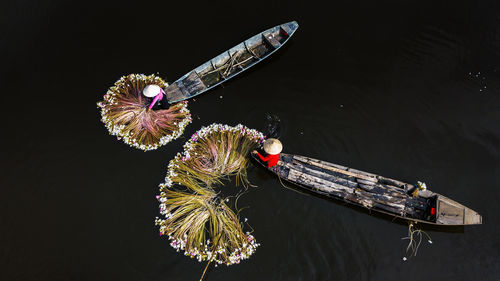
column 409, row 90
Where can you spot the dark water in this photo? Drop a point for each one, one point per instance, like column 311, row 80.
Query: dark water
column 405, row 89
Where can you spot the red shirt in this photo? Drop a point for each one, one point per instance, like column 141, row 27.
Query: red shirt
column 272, row 159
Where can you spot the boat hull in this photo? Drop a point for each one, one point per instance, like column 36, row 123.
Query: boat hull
column 230, row 63
column 372, row 191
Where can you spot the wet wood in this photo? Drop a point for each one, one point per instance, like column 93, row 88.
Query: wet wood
column 371, row 191
column 334, row 168
column 269, row 38
column 339, row 187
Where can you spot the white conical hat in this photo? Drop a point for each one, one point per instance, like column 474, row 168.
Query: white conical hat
column 151, row 90
column 272, row 146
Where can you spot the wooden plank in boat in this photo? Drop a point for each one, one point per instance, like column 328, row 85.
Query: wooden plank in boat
column 192, row 83
column 269, row 38
column 392, row 182
column 351, row 181
column 361, row 177
column 367, row 187
column 173, row 92
column 363, row 181
column 382, row 188
column 321, row 175
column 472, row 217
column 307, row 160
column 449, row 213
column 384, row 202
column 367, row 176
column 318, row 183
column 286, row 30
column 334, row 168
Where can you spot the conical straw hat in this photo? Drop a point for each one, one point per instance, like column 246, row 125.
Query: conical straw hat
column 272, row 146
column 151, row 90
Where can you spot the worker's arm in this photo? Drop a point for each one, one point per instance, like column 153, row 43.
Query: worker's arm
column 262, row 157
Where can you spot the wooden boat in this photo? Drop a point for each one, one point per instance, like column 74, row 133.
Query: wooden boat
column 371, row 191
column 230, row 63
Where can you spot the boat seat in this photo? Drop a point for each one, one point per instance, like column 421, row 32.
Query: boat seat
column 174, row 93
column 285, row 30
column 269, row 38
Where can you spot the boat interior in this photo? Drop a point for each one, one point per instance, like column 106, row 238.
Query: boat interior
column 352, row 186
column 230, row 63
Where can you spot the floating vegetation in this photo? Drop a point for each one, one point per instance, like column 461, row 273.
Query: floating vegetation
column 196, row 219
column 125, row 113
column 415, row 237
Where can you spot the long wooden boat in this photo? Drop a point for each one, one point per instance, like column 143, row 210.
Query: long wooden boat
column 372, row 191
column 230, row 63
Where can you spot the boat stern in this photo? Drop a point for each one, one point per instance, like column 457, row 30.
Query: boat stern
column 450, row 212
column 472, row 217
column 290, row 27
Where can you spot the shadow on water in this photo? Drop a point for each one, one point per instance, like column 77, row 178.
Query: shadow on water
column 359, row 209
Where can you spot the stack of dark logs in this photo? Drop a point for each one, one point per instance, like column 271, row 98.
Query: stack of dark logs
column 353, row 186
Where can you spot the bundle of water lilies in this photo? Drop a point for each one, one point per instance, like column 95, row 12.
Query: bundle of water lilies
column 196, row 219
column 131, row 113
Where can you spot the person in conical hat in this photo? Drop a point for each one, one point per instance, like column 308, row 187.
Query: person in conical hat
column 272, row 147
column 155, row 93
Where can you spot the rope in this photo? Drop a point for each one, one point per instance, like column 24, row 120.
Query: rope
column 414, row 234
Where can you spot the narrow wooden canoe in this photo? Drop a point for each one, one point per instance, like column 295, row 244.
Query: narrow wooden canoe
column 230, row 63
column 371, row 191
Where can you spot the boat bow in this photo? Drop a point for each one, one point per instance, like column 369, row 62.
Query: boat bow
column 230, row 63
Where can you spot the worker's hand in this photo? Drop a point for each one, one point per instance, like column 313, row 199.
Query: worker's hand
column 254, row 152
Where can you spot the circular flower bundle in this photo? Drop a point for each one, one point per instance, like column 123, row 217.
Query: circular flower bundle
column 125, row 113
column 196, row 219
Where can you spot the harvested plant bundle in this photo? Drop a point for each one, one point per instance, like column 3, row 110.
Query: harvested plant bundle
column 196, row 219
column 125, row 113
